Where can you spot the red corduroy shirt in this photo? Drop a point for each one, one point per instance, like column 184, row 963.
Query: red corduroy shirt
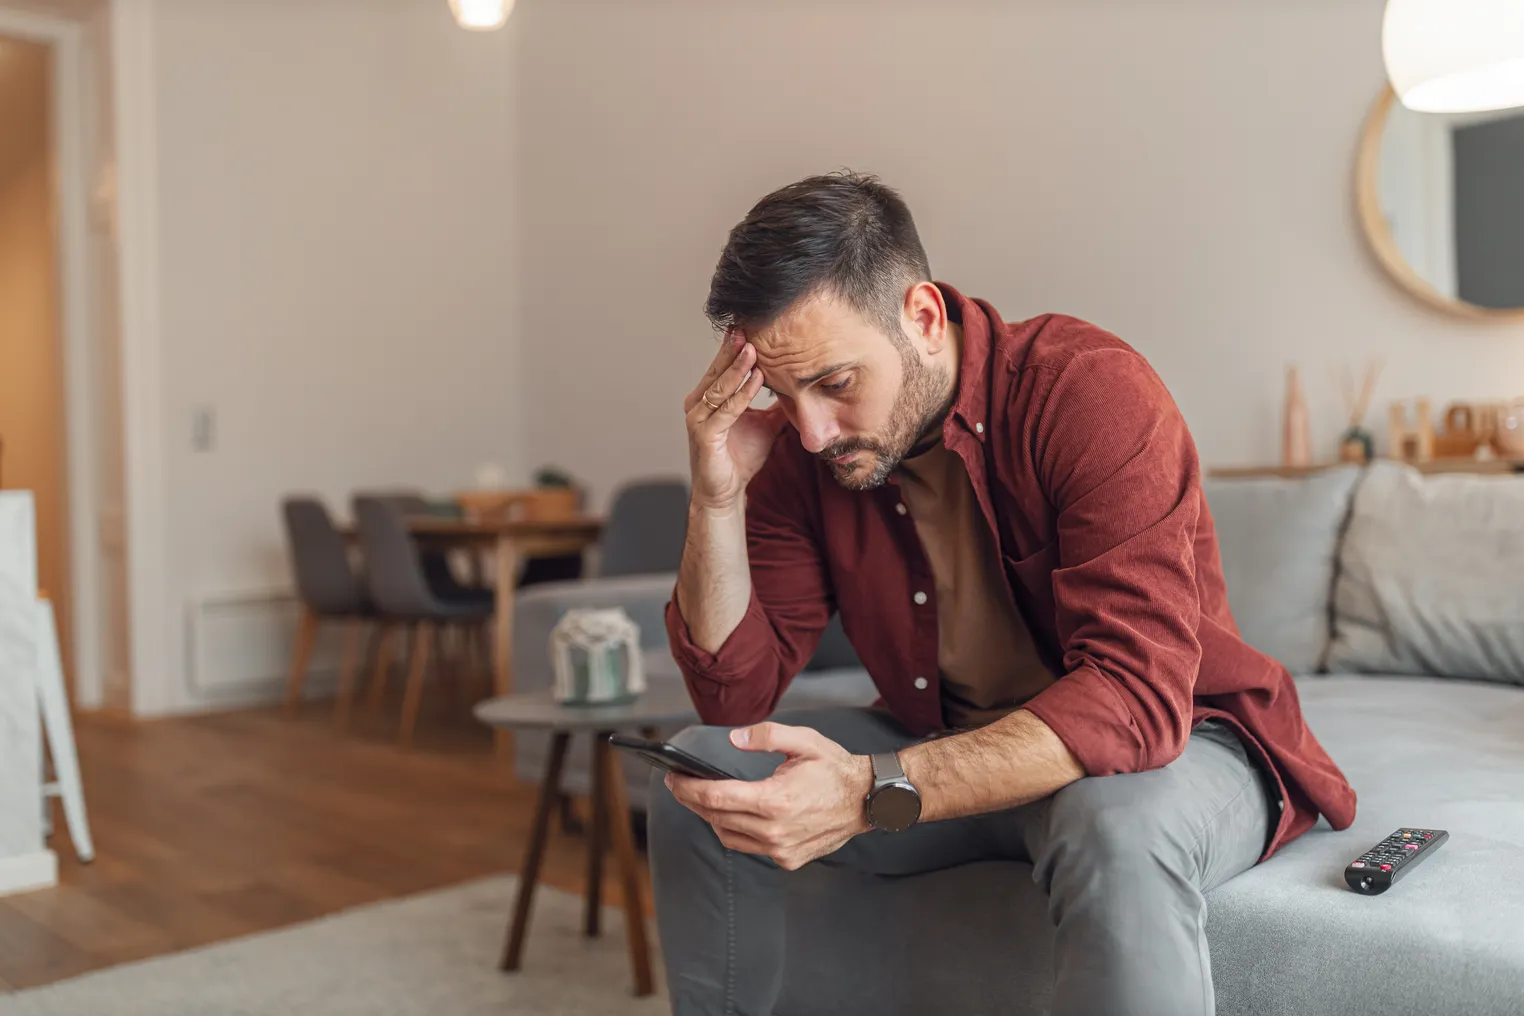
column 1090, row 483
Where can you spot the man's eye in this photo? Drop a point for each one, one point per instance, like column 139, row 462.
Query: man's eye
column 839, row 386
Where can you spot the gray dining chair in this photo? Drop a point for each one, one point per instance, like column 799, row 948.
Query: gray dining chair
column 647, row 524
column 329, row 590
column 436, row 562
column 399, row 587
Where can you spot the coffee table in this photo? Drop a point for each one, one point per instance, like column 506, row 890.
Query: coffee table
column 662, row 706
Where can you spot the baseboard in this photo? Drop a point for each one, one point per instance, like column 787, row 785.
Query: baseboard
column 27, row 872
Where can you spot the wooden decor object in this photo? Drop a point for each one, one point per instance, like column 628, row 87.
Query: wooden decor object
column 1296, row 439
column 540, row 504
column 1463, row 434
column 1412, row 440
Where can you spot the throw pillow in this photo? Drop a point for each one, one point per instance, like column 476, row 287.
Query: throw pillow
column 1432, row 577
column 1279, row 539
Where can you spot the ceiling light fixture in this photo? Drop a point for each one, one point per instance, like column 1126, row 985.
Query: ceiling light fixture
column 481, row 15
column 1455, row 56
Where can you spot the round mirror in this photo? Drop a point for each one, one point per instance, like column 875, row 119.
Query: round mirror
column 1442, row 200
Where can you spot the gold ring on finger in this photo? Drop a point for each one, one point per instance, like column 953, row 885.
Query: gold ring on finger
column 712, row 405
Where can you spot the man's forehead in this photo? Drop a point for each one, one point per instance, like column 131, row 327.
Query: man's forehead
column 813, row 332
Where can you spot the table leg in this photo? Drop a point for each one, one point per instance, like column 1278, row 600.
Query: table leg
column 539, row 832
column 502, row 629
column 617, row 820
column 597, row 833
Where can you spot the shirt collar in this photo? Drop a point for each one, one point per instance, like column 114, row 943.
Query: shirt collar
column 970, row 409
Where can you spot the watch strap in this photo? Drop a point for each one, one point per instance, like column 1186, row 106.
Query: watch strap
column 886, row 768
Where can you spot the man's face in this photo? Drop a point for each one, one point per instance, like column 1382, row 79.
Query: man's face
column 858, row 399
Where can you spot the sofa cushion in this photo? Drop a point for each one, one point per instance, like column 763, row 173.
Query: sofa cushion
column 1431, row 577
column 1279, row 539
column 1287, row 938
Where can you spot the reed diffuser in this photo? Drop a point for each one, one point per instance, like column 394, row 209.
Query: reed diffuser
column 1357, row 443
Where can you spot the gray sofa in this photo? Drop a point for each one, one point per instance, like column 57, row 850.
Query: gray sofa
column 1398, row 600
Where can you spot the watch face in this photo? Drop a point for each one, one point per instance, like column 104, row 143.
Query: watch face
column 894, row 808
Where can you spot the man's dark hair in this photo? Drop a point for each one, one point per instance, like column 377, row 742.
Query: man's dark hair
column 844, row 233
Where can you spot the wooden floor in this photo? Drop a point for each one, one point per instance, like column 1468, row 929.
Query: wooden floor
column 212, row 827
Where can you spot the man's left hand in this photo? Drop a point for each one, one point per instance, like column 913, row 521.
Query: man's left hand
column 808, row 808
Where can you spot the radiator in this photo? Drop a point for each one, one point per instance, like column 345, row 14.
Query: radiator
column 239, row 643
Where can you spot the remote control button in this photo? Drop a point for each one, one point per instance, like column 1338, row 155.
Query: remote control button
column 1386, row 867
column 1412, row 846
column 1358, row 864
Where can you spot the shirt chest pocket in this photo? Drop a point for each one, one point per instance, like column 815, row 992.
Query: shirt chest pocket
column 1031, row 579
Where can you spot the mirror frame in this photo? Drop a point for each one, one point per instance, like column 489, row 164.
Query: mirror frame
column 1379, row 234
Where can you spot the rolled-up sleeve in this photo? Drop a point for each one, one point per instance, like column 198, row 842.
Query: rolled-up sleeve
column 1122, row 471
column 791, row 602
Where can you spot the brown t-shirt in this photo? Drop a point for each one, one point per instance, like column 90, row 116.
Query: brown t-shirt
column 989, row 664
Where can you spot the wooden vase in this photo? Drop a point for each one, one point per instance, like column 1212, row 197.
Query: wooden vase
column 1296, row 438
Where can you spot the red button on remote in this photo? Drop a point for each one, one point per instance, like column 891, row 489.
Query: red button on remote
column 1386, row 867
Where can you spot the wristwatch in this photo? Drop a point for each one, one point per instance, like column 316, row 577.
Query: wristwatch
column 893, row 805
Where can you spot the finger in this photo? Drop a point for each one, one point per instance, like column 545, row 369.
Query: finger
column 730, row 347
column 731, row 409
column 795, row 742
column 717, row 795
column 740, row 843
column 733, row 377
column 753, row 827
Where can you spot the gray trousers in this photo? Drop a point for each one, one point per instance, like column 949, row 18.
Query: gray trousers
column 1124, row 861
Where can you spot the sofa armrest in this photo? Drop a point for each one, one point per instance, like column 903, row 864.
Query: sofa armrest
column 538, row 609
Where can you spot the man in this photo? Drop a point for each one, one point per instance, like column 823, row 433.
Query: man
column 1009, row 518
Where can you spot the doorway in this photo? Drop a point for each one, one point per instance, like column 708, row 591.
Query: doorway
column 33, row 445
column 60, row 348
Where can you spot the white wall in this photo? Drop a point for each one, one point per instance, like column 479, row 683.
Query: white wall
column 336, row 279
column 1179, row 171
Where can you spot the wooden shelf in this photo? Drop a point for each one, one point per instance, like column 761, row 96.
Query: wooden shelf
column 1479, row 466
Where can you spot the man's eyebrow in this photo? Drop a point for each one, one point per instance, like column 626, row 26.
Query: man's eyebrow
column 805, row 382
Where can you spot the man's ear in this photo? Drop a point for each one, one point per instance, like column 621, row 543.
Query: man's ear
column 927, row 313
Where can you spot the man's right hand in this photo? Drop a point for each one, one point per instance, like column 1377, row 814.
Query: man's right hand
column 727, row 441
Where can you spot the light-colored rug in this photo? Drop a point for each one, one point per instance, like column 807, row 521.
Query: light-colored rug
column 429, row 955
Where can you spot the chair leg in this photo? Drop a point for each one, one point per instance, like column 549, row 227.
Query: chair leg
column 354, row 635
column 305, row 637
column 423, row 639
column 382, row 670
column 483, row 635
column 449, row 665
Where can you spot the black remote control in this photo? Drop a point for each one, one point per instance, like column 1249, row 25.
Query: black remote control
column 1374, row 871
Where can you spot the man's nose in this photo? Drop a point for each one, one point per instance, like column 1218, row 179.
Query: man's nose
column 816, row 429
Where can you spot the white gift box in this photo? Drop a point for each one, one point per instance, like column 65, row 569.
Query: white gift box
column 596, row 657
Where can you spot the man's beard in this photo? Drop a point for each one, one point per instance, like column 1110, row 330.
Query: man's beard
column 923, row 402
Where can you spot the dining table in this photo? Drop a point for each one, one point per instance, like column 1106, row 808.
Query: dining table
column 506, row 542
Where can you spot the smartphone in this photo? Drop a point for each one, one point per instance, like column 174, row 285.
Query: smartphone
column 674, row 760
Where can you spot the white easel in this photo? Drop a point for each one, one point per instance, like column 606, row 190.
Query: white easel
column 58, row 737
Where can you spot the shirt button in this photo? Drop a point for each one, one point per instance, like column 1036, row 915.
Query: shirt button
column 919, row 598
column 920, row 684
column 979, row 428
column 901, row 508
